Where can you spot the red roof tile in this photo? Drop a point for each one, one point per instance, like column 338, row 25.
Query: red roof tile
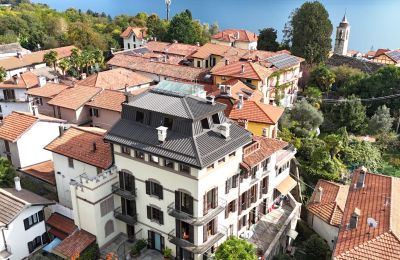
column 78, row 143
column 237, row 87
column 256, row 112
column 108, row 99
column 264, row 148
column 74, row 98
column 243, row 70
column 43, row 171
column 74, row 244
column 231, row 35
column 140, row 33
column 49, row 90
column 25, row 81
column 115, row 79
column 179, row 49
column 62, row 223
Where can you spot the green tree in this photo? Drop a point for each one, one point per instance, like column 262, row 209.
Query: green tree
column 362, row 153
column 7, row 173
column 83, row 36
column 311, row 32
column 88, row 59
column 267, row 40
column 64, row 64
column 322, row 77
column 344, row 74
column 235, row 249
column 51, row 59
column 214, row 28
column 316, row 248
column 313, row 96
column 3, row 74
column 181, row 29
column 156, row 28
column 307, row 117
column 381, row 121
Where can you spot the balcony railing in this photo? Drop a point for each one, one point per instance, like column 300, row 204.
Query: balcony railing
column 116, row 189
column 118, row 214
column 197, row 221
column 198, row 249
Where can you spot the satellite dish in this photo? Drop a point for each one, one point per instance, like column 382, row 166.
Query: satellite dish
column 372, row 222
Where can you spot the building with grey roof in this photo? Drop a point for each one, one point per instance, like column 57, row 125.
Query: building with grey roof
column 12, row 50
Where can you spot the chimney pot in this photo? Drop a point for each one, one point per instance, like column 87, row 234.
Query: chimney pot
column 318, row 195
column 162, row 133
column 211, row 100
column 17, row 184
column 242, row 71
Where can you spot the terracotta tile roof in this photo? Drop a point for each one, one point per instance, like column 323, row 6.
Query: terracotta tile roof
column 74, row 98
column 115, row 79
column 13, row 202
column 379, row 52
column 78, row 143
column 17, row 123
column 33, row 58
column 330, row 208
column 378, row 199
column 231, row 35
column 262, row 149
column 74, row 244
column 26, row 80
column 179, row 49
column 49, row 90
column 108, row 99
column 250, row 71
column 43, row 171
column 62, row 223
column 158, row 68
column 256, row 112
column 210, row 48
column 140, row 33
column 237, row 87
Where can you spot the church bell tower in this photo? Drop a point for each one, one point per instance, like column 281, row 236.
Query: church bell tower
column 342, row 37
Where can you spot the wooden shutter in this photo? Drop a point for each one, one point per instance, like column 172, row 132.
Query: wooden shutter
column 162, row 242
column 227, row 211
column 159, row 191
column 234, row 206
column 191, row 234
column 240, row 205
column 227, row 186
column 178, row 228
column 239, row 224
column 190, row 205
column 255, row 193
column 215, row 198
column 148, row 212
column 30, row 247
column 91, row 111
column 205, row 210
column 26, row 223
column 41, row 215
column 261, row 188
column 161, row 220
column 150, row 238
column 204, row 233
column 147, row 187
column 177, row 200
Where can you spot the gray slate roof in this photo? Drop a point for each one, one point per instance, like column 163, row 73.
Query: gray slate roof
column 188, row 107
column 364, row 65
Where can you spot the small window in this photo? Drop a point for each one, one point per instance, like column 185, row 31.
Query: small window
column 125, row 150
column 211, row 167
column 139, row 117
column 205, row 124
column 155, row 214
column 222, row 160
column 109, row 228
column 98, row 170
column 139, row 155
column 154, row 159
column 198, row 64
column 248, row 80
column 168, row 122
column 155, row 189
column 215, row 119
column 184, row 168
column 232, row 154
column 168, row 163
column 70, row 162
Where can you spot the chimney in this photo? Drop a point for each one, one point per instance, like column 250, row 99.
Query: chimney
column 83, row 76
column 318, row 195
column 211, row 100
column 112, row 50
column 242, row 71
column 19, row 55
column 175, row 41
column 361, row 179
column 224, row 129
column 16, row 79
column 226, row 62
column 198, row 44
column 237, row 35
column 354, row 218
column 60, row 130
column 17, row 184
column 42, row 81
column 241, row 101
column 162, row 133
column 228, row 90
column 265, row 131
column 155, row 39
column 126, row 93
column 94, row 147
column 35, row 110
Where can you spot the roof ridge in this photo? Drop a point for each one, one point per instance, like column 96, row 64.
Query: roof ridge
column 87, row 130
column 258, row 104
column 186, row 106
column 254, row 69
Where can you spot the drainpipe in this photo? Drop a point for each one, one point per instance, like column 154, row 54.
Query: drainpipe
column 4, row 237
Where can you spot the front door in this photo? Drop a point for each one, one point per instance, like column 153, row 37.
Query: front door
column 130, row 231
column 156, row 241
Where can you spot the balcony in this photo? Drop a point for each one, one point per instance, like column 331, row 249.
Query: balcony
column 197, row 249
column 116, row 189
column 197, row 221
column 131, row 220
column 6, row 253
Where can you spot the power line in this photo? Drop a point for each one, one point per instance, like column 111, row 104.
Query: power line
column 327, row 100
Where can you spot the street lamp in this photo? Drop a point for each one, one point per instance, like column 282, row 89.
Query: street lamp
column 168, row 4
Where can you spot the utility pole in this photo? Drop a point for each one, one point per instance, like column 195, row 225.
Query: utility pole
column 168, row 4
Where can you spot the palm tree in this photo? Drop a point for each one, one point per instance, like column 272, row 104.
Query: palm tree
column 3, row 74
column 76, row 60
column 88, row 59
column 64, row 65
column 51, row 58
column 98, row 57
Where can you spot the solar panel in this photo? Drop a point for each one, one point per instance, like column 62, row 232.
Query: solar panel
column 283, row 61
column 395, row 55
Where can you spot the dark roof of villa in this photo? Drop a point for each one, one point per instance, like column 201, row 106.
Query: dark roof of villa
column 199, row 150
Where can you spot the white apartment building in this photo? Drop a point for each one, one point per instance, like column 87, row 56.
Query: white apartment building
column 22, row 225
column 23, row 137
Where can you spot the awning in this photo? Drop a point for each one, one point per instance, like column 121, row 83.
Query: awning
column 286, row 185
column 57, row 233
column 49, row 248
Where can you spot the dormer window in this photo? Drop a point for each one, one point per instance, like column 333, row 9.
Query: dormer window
column 139, row 155
column 205, row 124
column 139, row 117
column 168, row 122
column 215, row 119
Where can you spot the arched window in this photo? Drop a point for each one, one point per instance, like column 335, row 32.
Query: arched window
column 109, row 227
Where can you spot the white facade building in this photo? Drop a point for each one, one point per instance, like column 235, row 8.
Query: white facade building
column 134, row 37
column 22, row 225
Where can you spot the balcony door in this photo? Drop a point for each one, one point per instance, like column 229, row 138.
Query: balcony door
column 210, row 200
column 156, row 241
column 128, row 207
column 184, row 202
column 126, row 181
column 184, row 231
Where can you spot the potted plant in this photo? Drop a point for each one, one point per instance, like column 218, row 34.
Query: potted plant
column 134, row 252
column 167, row 253
column 141, row 244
